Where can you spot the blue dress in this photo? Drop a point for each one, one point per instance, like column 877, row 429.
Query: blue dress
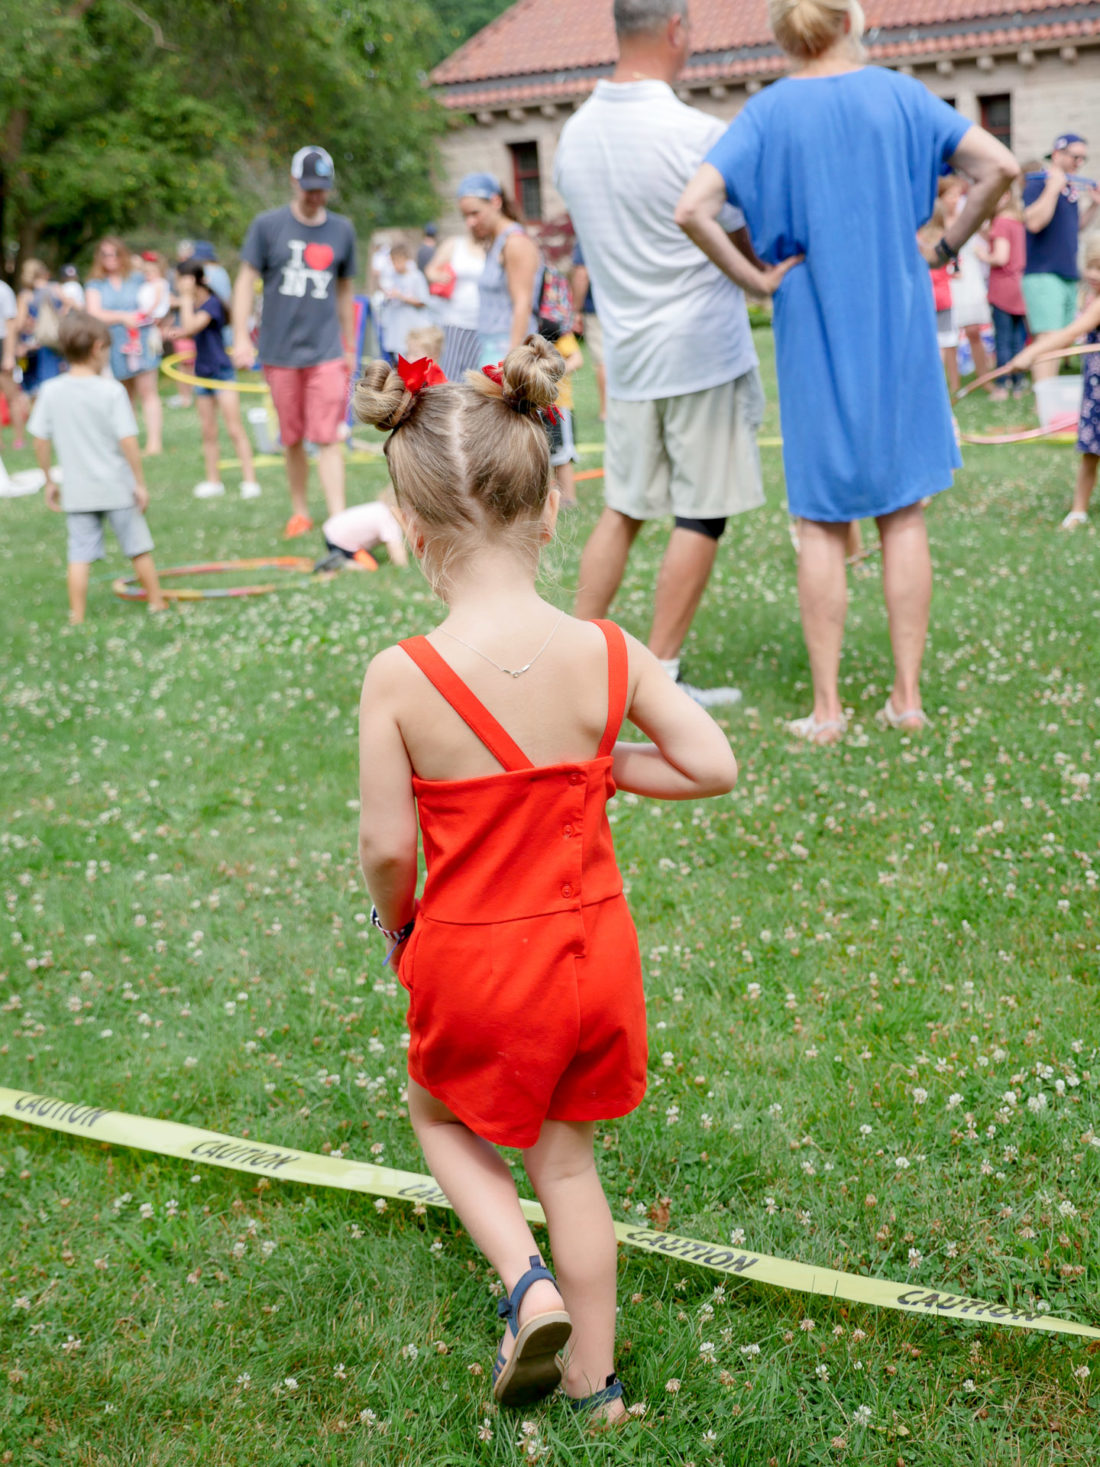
column 1088, row 427
column 845, row 169
column 124, row 363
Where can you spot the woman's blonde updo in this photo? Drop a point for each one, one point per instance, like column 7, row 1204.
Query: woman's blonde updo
column 807, row 28
column 471, row 462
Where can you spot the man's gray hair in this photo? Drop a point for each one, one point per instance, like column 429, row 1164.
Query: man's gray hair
column 641, row 17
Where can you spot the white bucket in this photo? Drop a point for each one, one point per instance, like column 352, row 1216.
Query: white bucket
column 259, row 421
column 1058, row 397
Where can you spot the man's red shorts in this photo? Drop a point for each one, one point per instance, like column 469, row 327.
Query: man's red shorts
column 310, row 401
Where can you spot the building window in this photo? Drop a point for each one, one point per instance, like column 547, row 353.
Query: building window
column 996, row 116
column 528, row 184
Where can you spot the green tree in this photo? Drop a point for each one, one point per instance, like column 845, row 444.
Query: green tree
column 118, row 116
column 458, row 20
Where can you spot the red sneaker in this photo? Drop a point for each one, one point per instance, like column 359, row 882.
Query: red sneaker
column 364, row 560
column 297, row 524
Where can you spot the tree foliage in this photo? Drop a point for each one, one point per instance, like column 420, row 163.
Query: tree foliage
column 120, row 116
column 458, row 20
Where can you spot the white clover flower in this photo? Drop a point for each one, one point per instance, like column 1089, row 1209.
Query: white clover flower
column 920, row 1095
column 751, row 1350
column 954, row 1100
column 861, row 1416
column 822, row 1372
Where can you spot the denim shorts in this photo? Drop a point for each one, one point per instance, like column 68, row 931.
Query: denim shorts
column 228, row 373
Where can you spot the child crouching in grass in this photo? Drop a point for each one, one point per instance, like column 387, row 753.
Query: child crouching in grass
column 89, row 420
column 499, row 734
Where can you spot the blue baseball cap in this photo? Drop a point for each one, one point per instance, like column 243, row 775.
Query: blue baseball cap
column 479, row 186
column 1065, row 140
column 312, row 167
column 204, row 251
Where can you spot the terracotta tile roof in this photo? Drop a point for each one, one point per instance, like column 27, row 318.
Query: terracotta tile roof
column 548, row 48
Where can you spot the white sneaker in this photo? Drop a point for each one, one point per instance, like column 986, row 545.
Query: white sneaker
column 1075, row 518
column 250, row 489
column 711, row 697
column 209, row 489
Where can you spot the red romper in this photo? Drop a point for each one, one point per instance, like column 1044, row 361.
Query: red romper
column 523, row 971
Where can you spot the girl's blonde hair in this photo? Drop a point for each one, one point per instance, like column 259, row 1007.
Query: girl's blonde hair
column 470, row 461
column 806, row 28
column 1092, row 251
column 32, row 272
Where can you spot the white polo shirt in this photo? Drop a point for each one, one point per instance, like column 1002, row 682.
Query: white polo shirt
column 672, row 322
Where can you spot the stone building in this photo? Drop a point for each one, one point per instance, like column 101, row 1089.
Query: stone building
column 1024, row 69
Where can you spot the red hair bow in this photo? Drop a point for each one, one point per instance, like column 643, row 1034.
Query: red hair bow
column 421, row 373
column 495, row 374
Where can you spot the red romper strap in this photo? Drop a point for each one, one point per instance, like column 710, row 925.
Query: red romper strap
column 617, row 681
column 472, row 712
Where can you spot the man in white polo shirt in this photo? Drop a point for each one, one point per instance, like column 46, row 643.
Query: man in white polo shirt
column 684, row 400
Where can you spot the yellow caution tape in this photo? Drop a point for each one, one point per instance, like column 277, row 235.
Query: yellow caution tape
column 170, row 366
column 190, row 1143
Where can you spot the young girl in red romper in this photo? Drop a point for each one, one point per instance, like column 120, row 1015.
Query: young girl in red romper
column 498, row 732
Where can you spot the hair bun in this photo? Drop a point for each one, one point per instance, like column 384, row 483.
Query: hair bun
column 381, row 398
column 531, row 374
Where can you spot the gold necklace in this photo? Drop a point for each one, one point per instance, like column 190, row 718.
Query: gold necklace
column 511, row 671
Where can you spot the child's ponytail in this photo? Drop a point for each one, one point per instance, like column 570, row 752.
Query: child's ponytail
column 381, row 398
column 529, row 377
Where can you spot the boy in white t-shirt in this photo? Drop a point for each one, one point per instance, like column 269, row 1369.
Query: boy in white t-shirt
column 91, row 424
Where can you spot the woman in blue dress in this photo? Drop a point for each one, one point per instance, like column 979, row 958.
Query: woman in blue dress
column 839, row 161
column 111, row 295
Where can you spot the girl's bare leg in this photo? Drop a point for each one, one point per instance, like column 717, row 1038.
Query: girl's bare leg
column 231, row 412
column 562, row 1169
column 977, row 350
column 1086, row 482
column 480, row 1189
column 951, row 366
column 208, row 425
column 153, row 411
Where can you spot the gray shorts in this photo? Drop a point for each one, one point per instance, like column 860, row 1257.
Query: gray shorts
column 694, row 455
column 86, row 533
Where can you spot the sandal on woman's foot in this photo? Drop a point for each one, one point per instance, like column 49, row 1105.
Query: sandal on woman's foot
column 612, row 1391
column 1074, row 519
column 533, row 1369
column 888, row 717
column 811, row 728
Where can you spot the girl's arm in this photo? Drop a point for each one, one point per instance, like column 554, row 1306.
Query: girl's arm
column 1088, row 320
column 689, row 757
column 191, row 321
column 521, row 261
column 995, row 254
column 387, row 811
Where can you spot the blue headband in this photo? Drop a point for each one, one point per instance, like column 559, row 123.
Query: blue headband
column 479, row 186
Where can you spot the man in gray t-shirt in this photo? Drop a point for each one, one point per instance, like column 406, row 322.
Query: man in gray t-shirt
column 305, row 257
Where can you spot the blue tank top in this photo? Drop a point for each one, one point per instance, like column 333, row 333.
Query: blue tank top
column 494, row 311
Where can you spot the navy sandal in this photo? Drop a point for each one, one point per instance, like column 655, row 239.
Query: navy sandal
column 612, row 1391
column 533, row 1369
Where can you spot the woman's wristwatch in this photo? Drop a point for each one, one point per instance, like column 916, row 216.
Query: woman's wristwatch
column 944, row 251
column 396, row 935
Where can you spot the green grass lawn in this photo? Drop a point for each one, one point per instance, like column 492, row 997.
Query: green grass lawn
column 872, row 982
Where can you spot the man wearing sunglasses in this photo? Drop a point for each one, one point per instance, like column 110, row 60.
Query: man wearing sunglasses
column 1054, row 217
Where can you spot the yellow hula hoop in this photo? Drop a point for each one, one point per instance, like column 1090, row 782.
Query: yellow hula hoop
column 170, row 367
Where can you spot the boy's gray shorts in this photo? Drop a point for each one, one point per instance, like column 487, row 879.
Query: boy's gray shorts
column 86, row 533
